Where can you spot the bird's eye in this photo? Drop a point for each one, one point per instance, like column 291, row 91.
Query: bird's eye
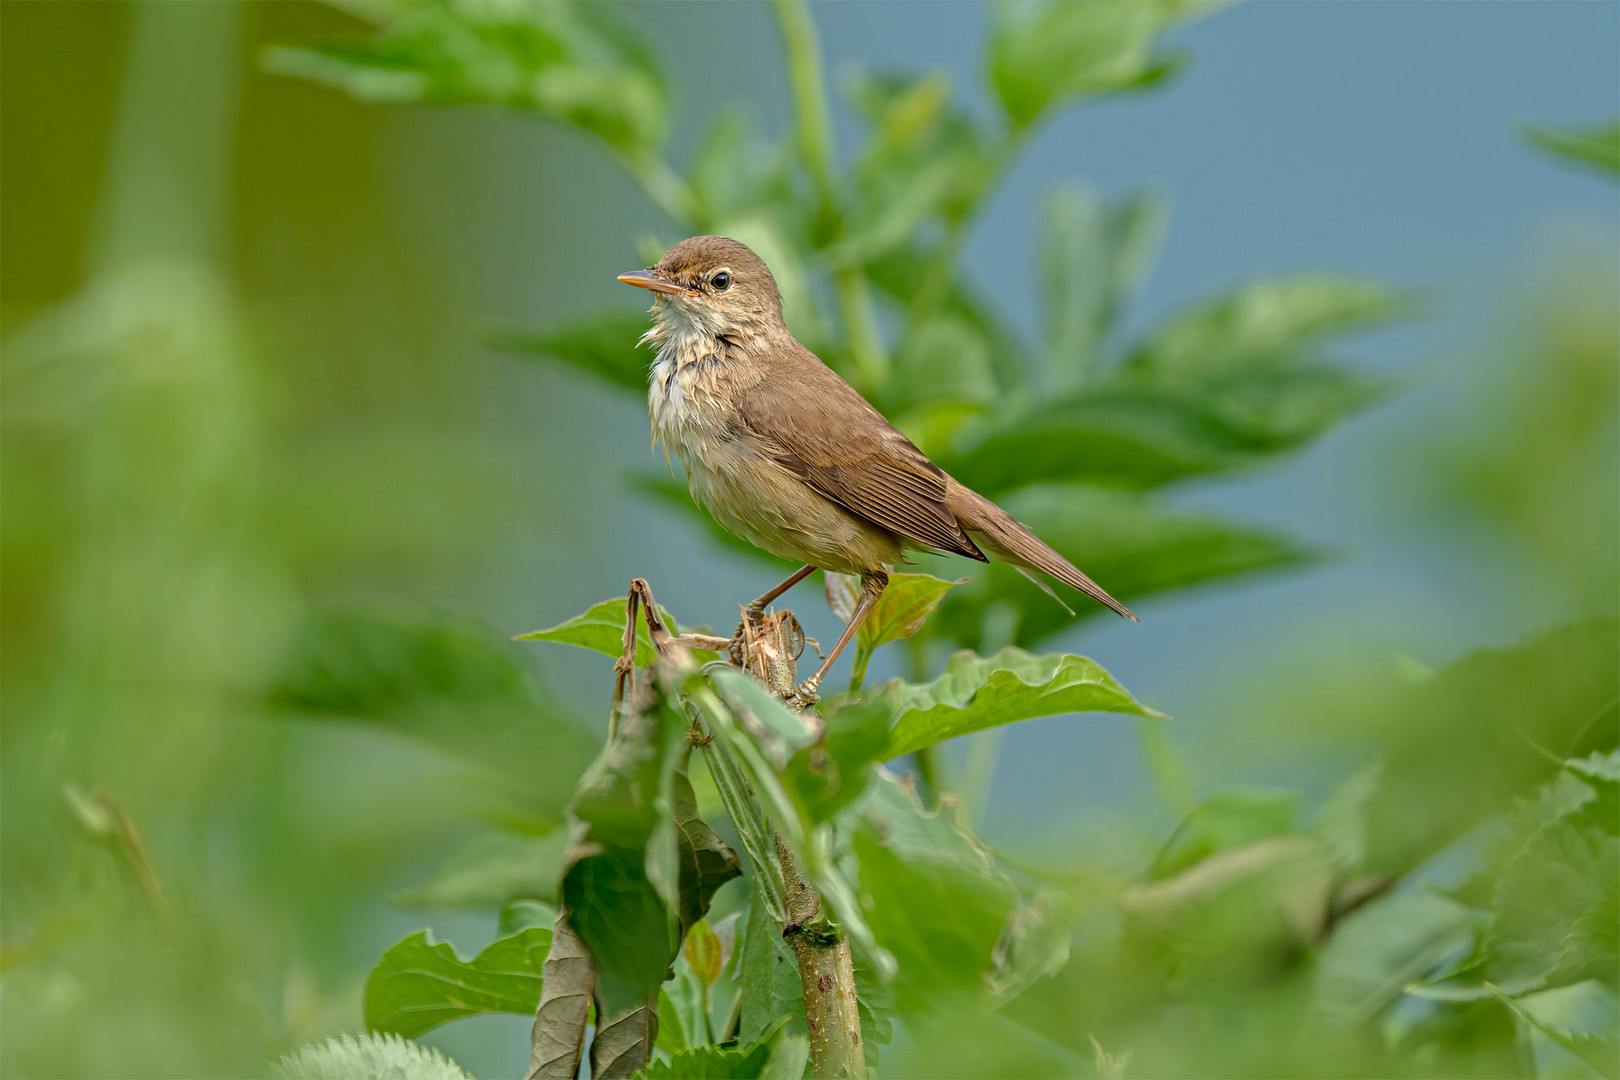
column 721, row 281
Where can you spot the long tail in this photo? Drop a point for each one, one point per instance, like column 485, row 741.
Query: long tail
column 994, row 530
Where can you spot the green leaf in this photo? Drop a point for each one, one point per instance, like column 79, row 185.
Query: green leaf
column 1041, row 54
column 1382, row 948
column 713, row 1063
column 778, row 730
column 824, row 778
column 1459, row 748
column 706, row 861
column 768, row 976
column 1228, row 819
column 451, row 682
column 1093, row 257
column 601, row 629
column 520, row 915
column 688, row 999
column 1139, row 435
column 367, row 1057
column 1264, row 320
column 975, row 693
column 571, row 63
column 1592, row 147
column 1036, row 944
column 1580, row 1018
column 933, row 896
column 702, row 950
column 621, row 887
column 419, row 983
column 604, row 345
column 1129, row 544
column 671, row 1028
column 899, row 613
column 495, row 868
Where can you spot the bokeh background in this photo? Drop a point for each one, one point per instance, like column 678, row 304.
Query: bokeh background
column 243, row 379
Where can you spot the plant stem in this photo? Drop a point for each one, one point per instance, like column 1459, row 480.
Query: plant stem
column 814, row 120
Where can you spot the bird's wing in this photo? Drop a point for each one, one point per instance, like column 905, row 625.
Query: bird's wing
column 817, row 426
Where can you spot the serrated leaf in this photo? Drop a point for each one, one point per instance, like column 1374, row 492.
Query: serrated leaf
column 898, row 614
column 713, row 1063
column 1580, row 1018
column 1597, row 766
column 494, row 869
column 975, row 693
column 603, row 345
column 1262, row 321
column 600, row 628
column 449, row 681
column 570, row 63
column 1592, row 147
column 419, row 983
column 933, row 896
column 367, row 1057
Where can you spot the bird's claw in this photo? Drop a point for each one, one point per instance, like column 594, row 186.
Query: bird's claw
column 805, row 692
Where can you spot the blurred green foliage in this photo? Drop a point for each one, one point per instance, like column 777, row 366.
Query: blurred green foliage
column 172, row 862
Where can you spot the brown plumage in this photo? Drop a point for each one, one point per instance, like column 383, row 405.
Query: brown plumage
column 788, row 455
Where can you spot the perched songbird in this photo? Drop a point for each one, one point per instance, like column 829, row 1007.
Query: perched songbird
column 788, row 455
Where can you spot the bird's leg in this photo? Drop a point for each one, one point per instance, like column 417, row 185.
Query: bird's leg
column 757, row 608
column 872, row 586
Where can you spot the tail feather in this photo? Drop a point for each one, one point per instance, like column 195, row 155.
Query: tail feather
column 994, row 530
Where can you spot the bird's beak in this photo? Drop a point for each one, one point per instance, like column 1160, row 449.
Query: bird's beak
column 652, row 279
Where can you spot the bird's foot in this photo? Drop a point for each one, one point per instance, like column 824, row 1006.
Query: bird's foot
column 805, row 693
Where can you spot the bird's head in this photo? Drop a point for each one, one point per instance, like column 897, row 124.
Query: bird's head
column 712, row 286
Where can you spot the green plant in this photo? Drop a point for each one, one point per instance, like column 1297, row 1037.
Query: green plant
column 1255, row 938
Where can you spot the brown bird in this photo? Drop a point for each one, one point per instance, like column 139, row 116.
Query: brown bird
column 789, row 456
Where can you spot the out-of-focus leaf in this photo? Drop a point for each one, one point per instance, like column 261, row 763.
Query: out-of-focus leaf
column 1584, row 1019
column 571, row 63
column 769, row 978
column 1129, row 545
column 926, row 159
column 451, row 682
column 1457, row 745
column 604, row 345
column 1594, row 147
column 1238, row 911
column 1380, row 949
column 419, row 983
column 367, row 1057
column 557, row 1039
column 706, row 861
column 1141, row 436
column 897, row 274
column 1093, row 256
column 1554, row 879
column 1228, row 819
column 671, row 1028
column 945, row 359
column 688, row 999
column 494, row 869
column 1036, row 942
column 1041, row 54
column 978, row 692
column 621, row 886
column 933, row 895
column 702, row 951
column 1264, row 320
column 520, row 915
